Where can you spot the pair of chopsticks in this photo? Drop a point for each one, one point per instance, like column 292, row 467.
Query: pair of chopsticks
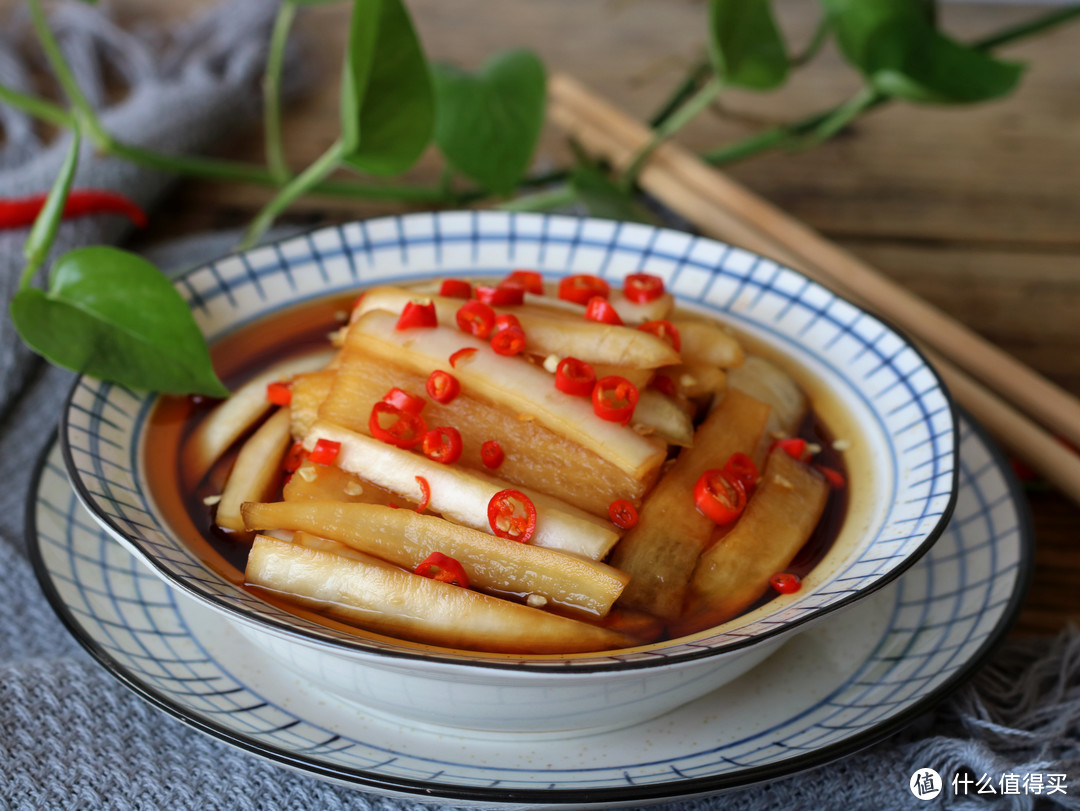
column 1008, row 398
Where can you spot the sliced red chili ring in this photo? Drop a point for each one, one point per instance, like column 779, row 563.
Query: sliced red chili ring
column 834, row 478
column 664, row 330
column 418, row 314
column 600, row 309
column 442, row 387
column 503, row 295
column 325, row 452
column 476, row 318
column 509, row 341
column 404, row 431
column 794, row 447
column 582, row 287
column 529, row 280
column 785, row 582
column 504, row 320
column 740, row 467
column 425, row 494
column 623, row 513
column 460, row 355
column 455, row 288
column 408, row 403
column 576, row 377
column 614, row 399
column 279, row 393
column 443, row 444
column 642, row 288
column 664, row 384
column 443, row 568
column 719, row 498
column 512, row 515
column 294, row 457
column 491, row 454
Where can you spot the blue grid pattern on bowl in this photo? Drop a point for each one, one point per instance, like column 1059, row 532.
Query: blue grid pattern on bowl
column 103, row 425
column 947, row 612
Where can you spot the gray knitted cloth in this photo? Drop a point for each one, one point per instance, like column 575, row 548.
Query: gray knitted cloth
column 73, row 737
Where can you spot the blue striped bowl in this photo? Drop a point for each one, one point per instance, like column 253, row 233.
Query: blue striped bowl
column 867, row 382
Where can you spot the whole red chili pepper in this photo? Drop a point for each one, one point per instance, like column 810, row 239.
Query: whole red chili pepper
column 22, row 211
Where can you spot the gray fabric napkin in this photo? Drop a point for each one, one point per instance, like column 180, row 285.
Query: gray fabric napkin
column 71, row 736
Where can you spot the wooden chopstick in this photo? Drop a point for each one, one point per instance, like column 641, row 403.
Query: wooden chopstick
column 726, row 210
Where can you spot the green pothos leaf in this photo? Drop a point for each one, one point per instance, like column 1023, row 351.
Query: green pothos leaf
column 387, row 99
column 745, row 46
column 897, row 47
column 489, row 122
column 112, row 315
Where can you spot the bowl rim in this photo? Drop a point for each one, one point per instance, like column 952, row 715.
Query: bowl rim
column 435, row 656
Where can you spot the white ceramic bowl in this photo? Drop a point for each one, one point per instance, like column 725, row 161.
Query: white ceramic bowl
column 869, row 385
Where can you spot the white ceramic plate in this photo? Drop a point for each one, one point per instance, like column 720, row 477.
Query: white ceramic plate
column 834, row 689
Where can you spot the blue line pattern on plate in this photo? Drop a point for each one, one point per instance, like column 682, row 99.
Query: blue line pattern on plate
column 755, row 294
column 942, row 613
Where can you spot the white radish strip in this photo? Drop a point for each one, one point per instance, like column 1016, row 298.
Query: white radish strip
column 456, row 494
column 708, row 344
column 492, row 564
column 629, row 311
column 257, row 470
column 765, row 381
column 235, row 416
column 384, row 598
column 664, row 417
column 585, row 340
column 510, row 382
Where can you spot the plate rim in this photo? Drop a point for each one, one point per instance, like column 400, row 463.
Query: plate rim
column 670, row 791
column 537, row 664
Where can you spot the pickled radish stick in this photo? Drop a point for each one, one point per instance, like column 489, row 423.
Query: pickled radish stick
column 406, row 538
column 702, row 342
column 533, row 456
column 235, row 416
column 590, row 341
column 765, row 381
column 510, row 382
column 386, row 599
column 661, row 551
column 257, row 470
column 457, row 494
column 309, row 390
column 732, row 575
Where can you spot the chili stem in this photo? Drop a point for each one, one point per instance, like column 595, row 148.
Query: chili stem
column 275, row 60
column 301, row 184
column 43, row 232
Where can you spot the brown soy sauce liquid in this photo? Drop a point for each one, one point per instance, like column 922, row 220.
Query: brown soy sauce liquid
column 241, row 355
column 237, row 357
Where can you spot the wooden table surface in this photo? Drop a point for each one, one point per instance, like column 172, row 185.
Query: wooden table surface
column 976, row 209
